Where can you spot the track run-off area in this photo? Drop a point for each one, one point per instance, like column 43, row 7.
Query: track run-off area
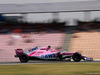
column 39, row 67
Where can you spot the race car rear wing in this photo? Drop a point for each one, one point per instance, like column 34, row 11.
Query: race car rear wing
column 19, row 52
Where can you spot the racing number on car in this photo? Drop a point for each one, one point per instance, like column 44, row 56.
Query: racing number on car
column 48, row 56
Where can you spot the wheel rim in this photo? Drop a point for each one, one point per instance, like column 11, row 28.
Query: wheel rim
column 77, row 57
column 24, row 58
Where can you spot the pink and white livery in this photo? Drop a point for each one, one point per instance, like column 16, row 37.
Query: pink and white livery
column 46, row 53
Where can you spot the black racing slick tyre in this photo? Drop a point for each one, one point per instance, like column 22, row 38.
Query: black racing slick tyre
column 77, row 57
column 24, row 58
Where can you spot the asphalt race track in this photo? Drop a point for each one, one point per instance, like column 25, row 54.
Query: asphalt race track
column 43, row 62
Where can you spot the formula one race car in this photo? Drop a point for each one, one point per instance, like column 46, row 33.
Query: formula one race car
column 46, row 53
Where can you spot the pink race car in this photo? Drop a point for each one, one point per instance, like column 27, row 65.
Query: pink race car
column 46, row 53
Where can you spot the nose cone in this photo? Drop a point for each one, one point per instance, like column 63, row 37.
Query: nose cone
column 88, row 59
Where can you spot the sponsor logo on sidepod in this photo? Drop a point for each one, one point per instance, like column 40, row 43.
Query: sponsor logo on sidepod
column 48, row 56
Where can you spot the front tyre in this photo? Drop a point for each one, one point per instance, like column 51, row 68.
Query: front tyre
column 77, row 57
column 24, row 58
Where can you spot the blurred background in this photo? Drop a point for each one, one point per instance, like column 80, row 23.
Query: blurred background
column 72, row 25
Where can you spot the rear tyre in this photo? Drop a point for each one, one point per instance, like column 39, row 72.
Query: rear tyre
column 77, row 57
column 24, row 58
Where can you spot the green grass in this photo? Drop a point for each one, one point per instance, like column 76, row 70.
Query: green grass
column 50, row 69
